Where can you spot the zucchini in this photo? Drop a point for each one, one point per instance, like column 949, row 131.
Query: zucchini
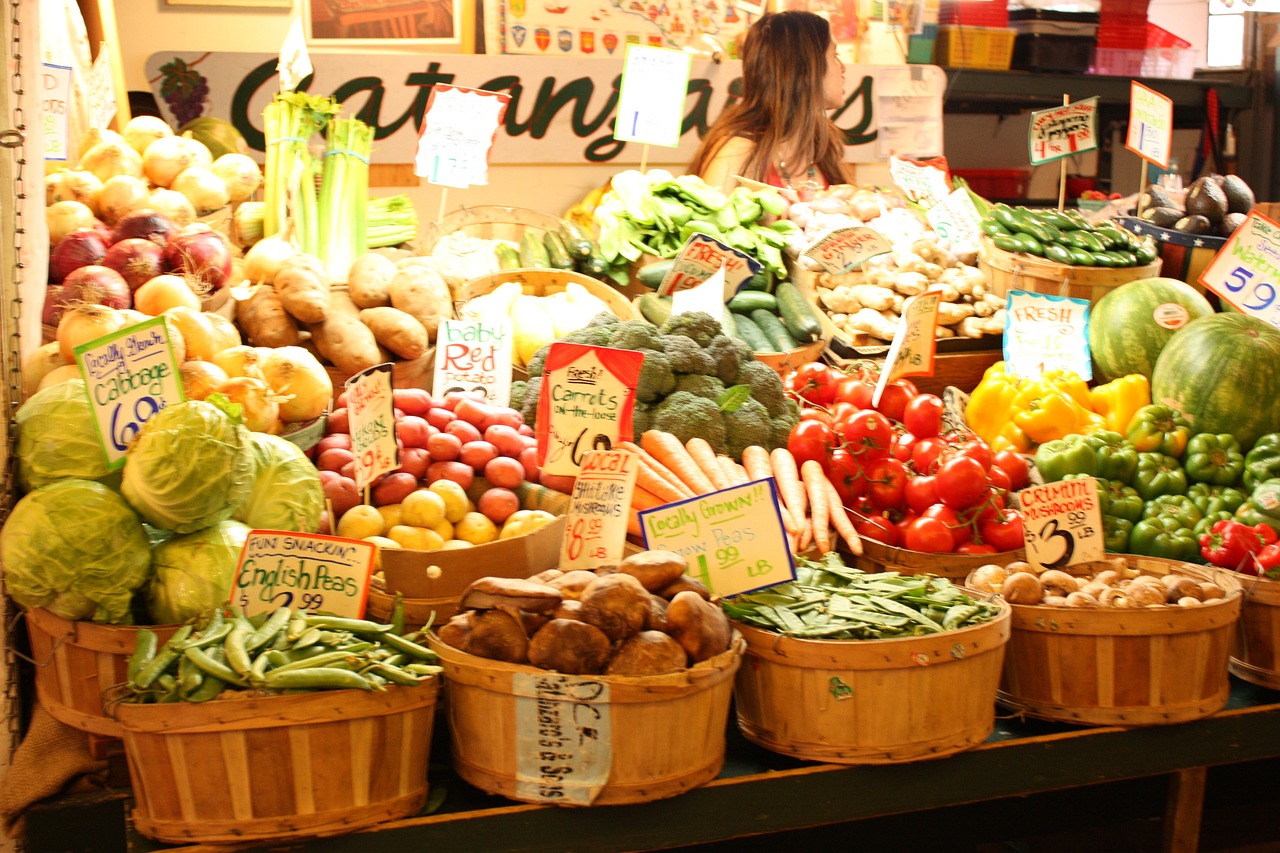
column 746, row 301
column 771, row 325
column 654, row 308
column 508, row 257
column 751, row 335
column 651, row 275
column 533, row 252
column 557, row 252
column 576, row 240
column 798, row 315
column 594, row 264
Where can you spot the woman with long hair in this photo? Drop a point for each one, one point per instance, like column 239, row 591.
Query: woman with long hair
column 779, row 133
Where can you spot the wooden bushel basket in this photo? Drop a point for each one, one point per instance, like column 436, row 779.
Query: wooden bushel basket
column 76, row 661
column 1009, row 271
column 1123, row 666
column 278, row 767
column 871, row 701
column 880, row 557
column 1255, row 650
column 667, row 732
column 418, row 612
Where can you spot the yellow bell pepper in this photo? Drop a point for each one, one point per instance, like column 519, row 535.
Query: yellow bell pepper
column 1070, row 382
column 990, row 404
column 1011, row 437
column 1117, row 400
column 1045, row 412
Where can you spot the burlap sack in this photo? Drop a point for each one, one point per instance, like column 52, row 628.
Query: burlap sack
column 50, row 759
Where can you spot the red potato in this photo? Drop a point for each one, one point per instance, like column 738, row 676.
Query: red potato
column 475, row 412
column 326, row 476
column 444, row 446
column 324, row 524
column 340, row 440
column 415, row 460
column 559, row 482
column 334, row 458
column 504, row 471
column 477, row 454
column 525, row 429
column 342, row 494
column 439, row 417
column 507, row 416
column 341, row 402
column 349, row 470
column 338, row 421
column 458, row 472
column 394, row 488
column 413, row 430
column 412, row 401
column 498, row 504
column 508, row 441
column 529, row 461
column 463, row 430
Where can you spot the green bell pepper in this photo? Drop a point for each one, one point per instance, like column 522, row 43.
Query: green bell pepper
column 1120, row 500
column 1209, row 498
column 1214, row 458
column 1159, row 474
column 1262, row 506
column 1210, row 519
column 1164, row 536
column 1116, row 533
column 1117, row 457
column 1159, row 429
column 1262, row 462
column 1071, row 454
column 1179, row 507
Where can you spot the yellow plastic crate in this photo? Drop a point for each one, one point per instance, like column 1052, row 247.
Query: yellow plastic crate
column 975, row 47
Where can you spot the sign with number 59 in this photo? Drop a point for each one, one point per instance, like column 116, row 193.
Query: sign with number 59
column 1246, row 271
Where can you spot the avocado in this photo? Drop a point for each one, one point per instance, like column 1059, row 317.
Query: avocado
column 1162, row 217
column 1157, row 196
column 1230, row 223
column 1205, row 198
column 1193, row 223
column 1239, row 196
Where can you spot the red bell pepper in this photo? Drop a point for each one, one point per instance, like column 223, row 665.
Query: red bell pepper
column 1231, row 544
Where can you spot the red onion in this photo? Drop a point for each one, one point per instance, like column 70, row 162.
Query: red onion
column 55, row 302
column 137, row 259
column 202, row 255
column 96, row 285
column 80, row 248
column 145, row 223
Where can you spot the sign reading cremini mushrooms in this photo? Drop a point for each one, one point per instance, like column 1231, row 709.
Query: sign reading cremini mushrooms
column 1062, row 523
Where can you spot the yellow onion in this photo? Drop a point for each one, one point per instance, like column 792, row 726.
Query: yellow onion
column 240, row 360
column 110, row 158
column 260, row 407
column 141, row 131
column 300, row 380
column 82, row 323
column 240, row 173
column 200, row 378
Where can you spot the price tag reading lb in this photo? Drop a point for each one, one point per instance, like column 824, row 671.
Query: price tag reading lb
column 914, row 345
column 1150, row 133
column 733, row 539
column 371, row 413
column 588, row 395
column 596, row 524
column 700, row 258
column 956, row 219
column 458, row 131
column 1063, row 131
column 923, row 181
column 1246, row 271
column 303, row 570
column 1062, row 523
column 129, row 375
column 844, row 249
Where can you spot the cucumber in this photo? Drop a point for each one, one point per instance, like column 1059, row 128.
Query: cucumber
column 594, row 264
column 508, row 257
column 771, row 325
column 751, row 335
column 576, row 240
column 746, row 301
column 651, row 275
column 654, row 308
column 729, row 323
column 1057, row 253
column 557, row 252
column 533, row 252
column 798, row 315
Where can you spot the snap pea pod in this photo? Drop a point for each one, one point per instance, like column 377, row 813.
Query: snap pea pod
column 342, row 623
column 397, row 614
column 214, row 667
column 318, row 678
column 144, row 650
column 314, row 661
column 237, row 652
column 163, row 659
column 208, row 637
column 297, row 626
column 168, row 689
column 277, row 622
column 394, row 674
column 190, row 677
column 409, row 647
column 209, row 689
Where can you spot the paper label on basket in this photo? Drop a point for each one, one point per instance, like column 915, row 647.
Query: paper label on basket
column 1043, row 332
column 1062, row 523
column 844, row 249
column 294, row 63
column 1150, row 134
column 733, row 539
column 1246, row 270
column 310, row 571
column 474, row 356
column 458, row 131
column 55, row 106
column 371, row 413
column 596, row 524
column 700, row 258
column 1063, row 131
column 102, row 90
column 564, row 737
column 915, row 343
column 651, row 96
column 956, row 219
column 129, row 375
column 588, row 396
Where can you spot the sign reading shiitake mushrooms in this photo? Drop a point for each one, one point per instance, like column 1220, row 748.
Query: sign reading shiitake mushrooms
column 1063, row 523
column 596, row 523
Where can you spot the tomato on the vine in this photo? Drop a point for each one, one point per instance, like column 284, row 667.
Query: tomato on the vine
column 923, row 415
column 903, row 442
column 886, row 483
column 925, row 453
column 895, row 396
column 997, row 478
column 845, row 473
column 962, row 481
column 960, row 531
column 868, row 435
column 856, row 390
column 973, row 447
column 921, row 492
column 810, row 439
column 929, row 535
column 975, row 548
column 813, row 382
column 877, row 527
column 1004, row 531
column 1015, row 465
column 812, row 413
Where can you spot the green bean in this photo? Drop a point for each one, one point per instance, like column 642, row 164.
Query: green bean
column 144, row 649
column 278, row 621
column 318, row 678
column 397, row 614
column 163, row 659
column 237, row 653
column 409, row 647
column 214, row 667
column 342, row 623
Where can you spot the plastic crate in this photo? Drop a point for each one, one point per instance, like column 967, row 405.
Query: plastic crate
column 1048, row 22
column 1160, row 37
column 996, row 183
column 970, row 14
column 1125, row 7
column 975, row 47
column 1171, row 62
column 1036, row 52
column 1123, row 31
column 1118, row 61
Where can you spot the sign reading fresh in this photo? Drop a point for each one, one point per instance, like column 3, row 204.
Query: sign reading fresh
column 1044, row 332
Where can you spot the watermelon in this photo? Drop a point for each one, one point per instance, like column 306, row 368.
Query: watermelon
column 1130, row 325
column 1223, row 373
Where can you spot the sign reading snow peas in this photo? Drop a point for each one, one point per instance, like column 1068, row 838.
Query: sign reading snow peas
column 1246, row 270
column 1062, row 131
column 371, row 413
column 844, row 249
column 596, row 524
column 129, row 375
column 651, row 96
column 1150, row 133
column 1043, row 332
column 303, row 570
column 588, row 395
column 733, row 539
column 458, row 130
column 1062, row 523
column 474, row 356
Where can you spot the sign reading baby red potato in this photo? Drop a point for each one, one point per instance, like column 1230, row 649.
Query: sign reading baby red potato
column 596, row 524
column 588, row 395
column 310, row 571
column 474, row 356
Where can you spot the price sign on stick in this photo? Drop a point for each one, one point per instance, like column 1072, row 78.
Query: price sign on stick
column 1063, row 131
column 294, row 63
column 700, row 258
column 457, row 134
column 914, row 344
column 708, row 297
column 1246, row 270
column 55, row 105
column 651, row 97
column 588, row 395
column 472, row 355
column 128, row 375
column 843, row 249
column 596, row 524
column 371, row 413
column 303, row 570
column 1062, row 523
column 733, row 539
column 1043, row 332
column 1150, row 133
column 102, row 90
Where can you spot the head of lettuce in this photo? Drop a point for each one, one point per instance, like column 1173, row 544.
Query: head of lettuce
column 77, row 549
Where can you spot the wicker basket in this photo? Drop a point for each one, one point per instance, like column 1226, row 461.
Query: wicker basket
column 876, row 556
column 547, row 282
column 1255, row 650
column 418, row 612
column 487, row 222
column 1010, row 271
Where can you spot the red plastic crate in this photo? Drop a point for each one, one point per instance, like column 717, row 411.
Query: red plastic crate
column 1158, row 37
column 996, row 183
column 1125, row 7
column 993, row 13
column 1128, row 32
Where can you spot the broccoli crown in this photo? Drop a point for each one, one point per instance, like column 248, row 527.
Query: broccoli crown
column 641, row 419
column 596, row 336
column 603, row 319
column 728, row 357
column 699, row 325
column 765, row 385
column 783, row 424
column 686, row 415
column 686, row 356
column 704, row 386
column 538, row 363
column 748, row 425
column 517, row 394
column 529, row 405
column 635, row 334
column 656, row 379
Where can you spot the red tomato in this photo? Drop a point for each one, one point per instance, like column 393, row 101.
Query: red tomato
column 845, row 473
column 925, row 453
column 903, row 442
column 855, row 390
column 975, row 448
column 1004, row 531
column 813, row 382
column 922, row 492
column 1015, row 465
column 998, row 479
column 868, row 435
column 960, row 531
column 988, row 507
column 876, row 527
column 841, row 412
column 886, row 483
column 809, row 413
column 962, row 481
column 894, row 398
column 929, row 535
column 975, row 548
column 810, row 440
column 923, row 415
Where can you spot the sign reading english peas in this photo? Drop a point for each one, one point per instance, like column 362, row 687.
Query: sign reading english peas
column 303, row 570
column 588, row 396
column 129, row 375
column 474, row 356
column 733, row 539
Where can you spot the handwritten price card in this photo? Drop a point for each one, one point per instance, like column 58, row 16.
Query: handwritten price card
column 588, row 395
column 129, row 375
column 914, row 345
column 733, row 539
column 700, row 258
column 304, row 570
column 1246, row 270
column 474, row 356
column 651, row 97
column 596, row 526
column 1044, row 332
column 1062, row 523
column 102, row 91
column 564, row 737
column 1062, row 131
column 1150, row 133
column 956, row 219
column 372, row 417
column 458, row 130
column 55, row 105
column 927, row 181
column 843, row 249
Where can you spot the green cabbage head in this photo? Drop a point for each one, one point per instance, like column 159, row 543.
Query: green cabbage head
column 189, row 467
column 58, row 438
column 193, row 571
column 286, row 492
column 77, row 549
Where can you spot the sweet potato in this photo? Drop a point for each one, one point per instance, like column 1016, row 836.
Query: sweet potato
column 343, row 340
column 367, row 282
column 264, row 320
column 420, row 292
column 396, row 330
column 303, row 286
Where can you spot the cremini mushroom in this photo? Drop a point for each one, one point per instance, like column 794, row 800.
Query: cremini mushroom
column 647, row 653
column 570, row 646
column 1080, row 598
column 1022, row 588
column 1178, row 587
column 1210, row 590
column 988, row 578
column 1058, row 583
column 699, row 626
column 1145, row 594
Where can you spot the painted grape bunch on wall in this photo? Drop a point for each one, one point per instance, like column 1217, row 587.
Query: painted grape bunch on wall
column 184, row 89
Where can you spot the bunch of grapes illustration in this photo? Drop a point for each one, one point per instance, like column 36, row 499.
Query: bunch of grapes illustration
column 184, row 89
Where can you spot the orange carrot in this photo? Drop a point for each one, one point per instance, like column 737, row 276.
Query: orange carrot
column 633, row 523
column 700, row 450
column 733, row 472
column 644, row 499
column 756, row 460
column 657, row 467
column 669, row 452
column 840, row 521
column 649, row 480
column 790, row 489
column 816, row 484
